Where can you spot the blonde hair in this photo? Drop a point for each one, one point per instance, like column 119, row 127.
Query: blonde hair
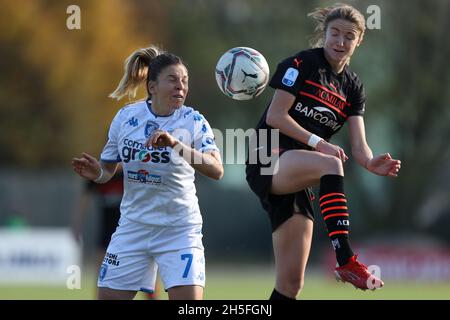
column 323, row 16
column 142, row 66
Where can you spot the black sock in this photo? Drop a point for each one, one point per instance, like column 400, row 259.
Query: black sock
column 333, row 206
column 278, row 296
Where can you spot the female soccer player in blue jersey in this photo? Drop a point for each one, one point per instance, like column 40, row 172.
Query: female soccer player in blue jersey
column 161, row 143
column 315, row 94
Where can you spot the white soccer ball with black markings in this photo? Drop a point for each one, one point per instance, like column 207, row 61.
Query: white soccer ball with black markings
column 242, row 73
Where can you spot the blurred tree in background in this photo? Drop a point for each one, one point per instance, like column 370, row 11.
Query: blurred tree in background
column 54, row 84
column 55, row 81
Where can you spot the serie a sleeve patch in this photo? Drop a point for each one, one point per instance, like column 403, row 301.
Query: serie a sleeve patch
column 289, row 77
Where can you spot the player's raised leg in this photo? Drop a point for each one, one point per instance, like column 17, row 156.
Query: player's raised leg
column 299, row 169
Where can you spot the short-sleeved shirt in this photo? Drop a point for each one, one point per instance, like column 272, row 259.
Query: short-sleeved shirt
column 158, row 183
column 323, row 99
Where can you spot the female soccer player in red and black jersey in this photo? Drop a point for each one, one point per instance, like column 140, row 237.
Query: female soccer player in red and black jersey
column 315, row 94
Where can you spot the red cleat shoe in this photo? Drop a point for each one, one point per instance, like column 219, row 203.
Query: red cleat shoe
column 358, row 275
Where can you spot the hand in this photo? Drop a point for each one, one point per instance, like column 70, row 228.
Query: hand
column 332, row 150
column 160, row 138
column 384, row 165
column 87, row 166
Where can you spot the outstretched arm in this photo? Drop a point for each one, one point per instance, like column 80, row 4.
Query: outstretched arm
column 90, row 168
column 382, row 164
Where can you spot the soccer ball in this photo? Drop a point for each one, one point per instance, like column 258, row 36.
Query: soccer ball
column 242, row 73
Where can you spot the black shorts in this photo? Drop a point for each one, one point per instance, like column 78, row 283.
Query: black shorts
column 279, row 207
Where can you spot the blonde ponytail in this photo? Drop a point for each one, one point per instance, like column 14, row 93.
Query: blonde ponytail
column 136, row 72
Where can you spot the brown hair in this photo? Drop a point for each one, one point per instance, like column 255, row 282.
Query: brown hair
column 142, row 66
column 323, row 16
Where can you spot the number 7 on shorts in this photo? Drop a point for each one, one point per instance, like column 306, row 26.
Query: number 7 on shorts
column 188, row 264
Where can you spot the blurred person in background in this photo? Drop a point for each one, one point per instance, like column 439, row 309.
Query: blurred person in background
column 108, row 196
column 315, row 94
column 161, row 143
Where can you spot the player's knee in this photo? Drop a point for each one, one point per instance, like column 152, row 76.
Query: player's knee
column 332, row 165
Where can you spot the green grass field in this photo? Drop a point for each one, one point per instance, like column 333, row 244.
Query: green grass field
column 251, row 283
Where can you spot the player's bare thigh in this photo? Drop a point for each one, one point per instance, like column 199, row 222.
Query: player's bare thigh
column 185, row 293
column 300, row 169
column 112, row 294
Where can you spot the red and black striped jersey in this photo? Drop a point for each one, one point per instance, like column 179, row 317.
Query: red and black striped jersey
column 323, row 99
